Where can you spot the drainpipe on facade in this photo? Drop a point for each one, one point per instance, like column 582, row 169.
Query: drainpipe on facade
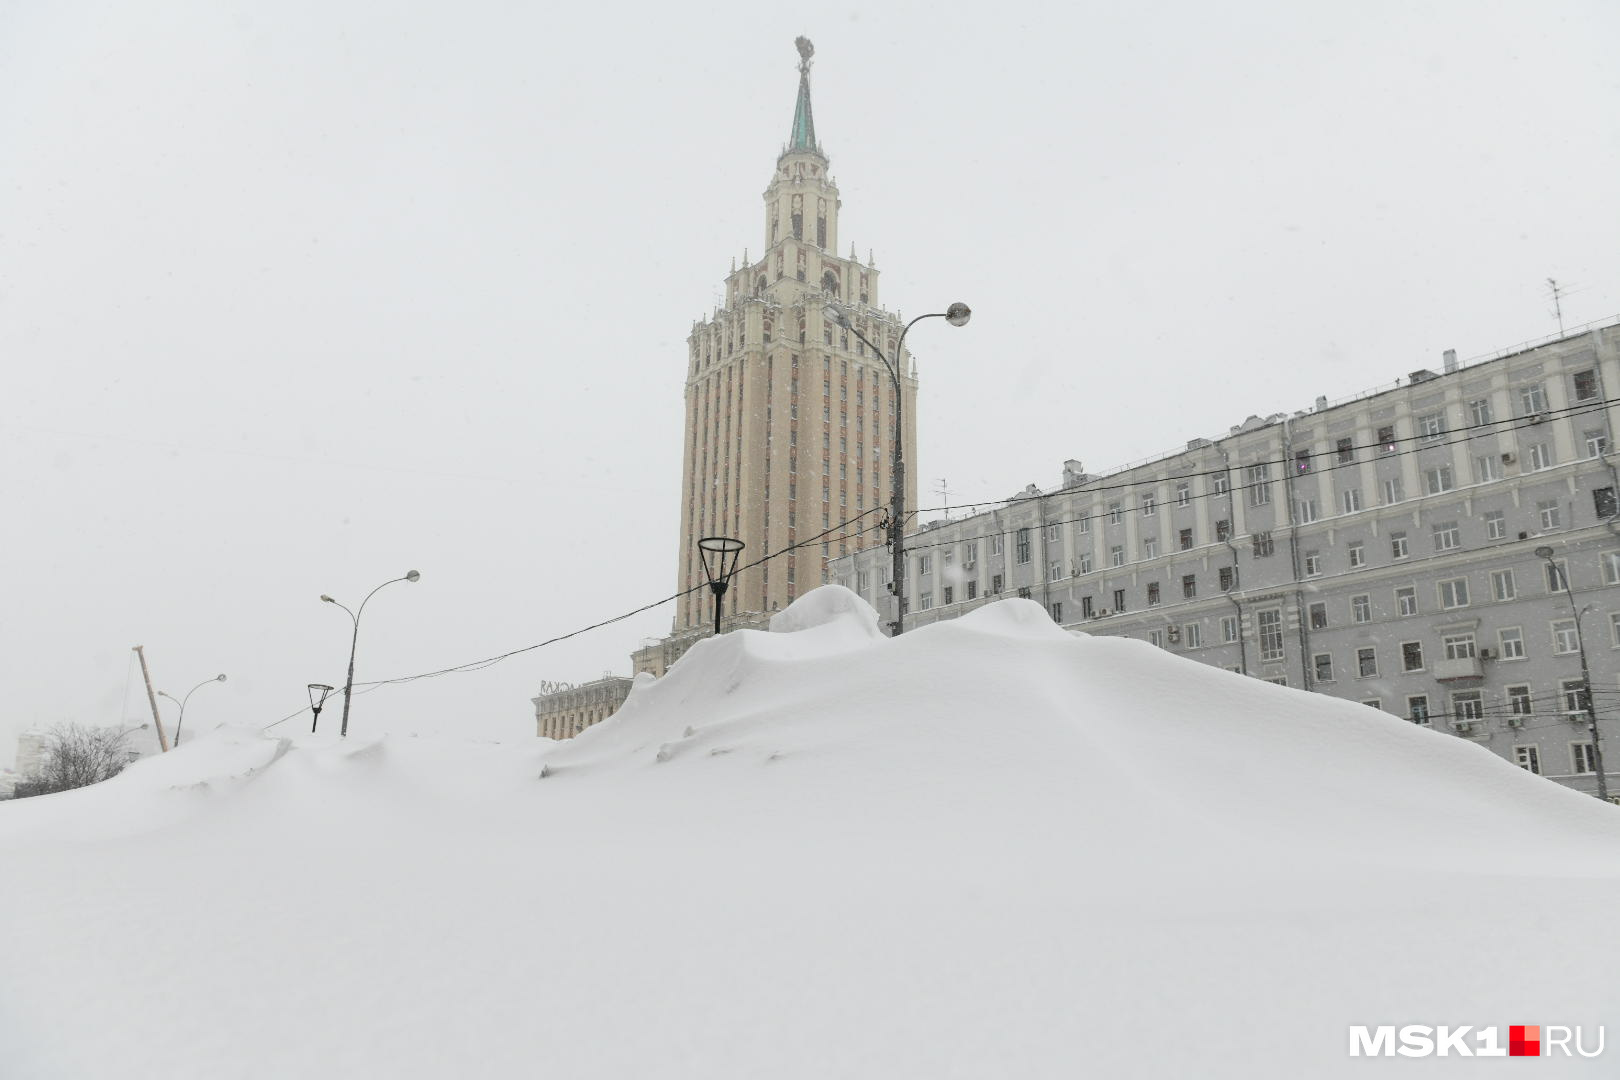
column 1046, row 556
column 1231, row 531
column 1293, row 555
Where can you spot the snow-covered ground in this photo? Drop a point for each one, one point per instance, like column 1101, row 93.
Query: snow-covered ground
column 989, row 848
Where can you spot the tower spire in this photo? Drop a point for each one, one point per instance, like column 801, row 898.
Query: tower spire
column 804, row 122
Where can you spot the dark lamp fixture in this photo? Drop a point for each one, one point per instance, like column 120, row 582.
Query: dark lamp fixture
column 719, row 555
column 317, row 700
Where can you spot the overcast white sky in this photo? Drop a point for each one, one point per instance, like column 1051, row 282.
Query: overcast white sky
column 297, row 297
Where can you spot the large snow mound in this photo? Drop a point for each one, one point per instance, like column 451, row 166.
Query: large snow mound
column 986, row 848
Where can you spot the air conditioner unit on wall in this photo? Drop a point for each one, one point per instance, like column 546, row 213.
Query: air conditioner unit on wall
column 1509, row 458
column 1486, row 654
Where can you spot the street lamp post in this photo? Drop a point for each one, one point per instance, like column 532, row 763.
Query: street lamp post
column 1586, row 674
column 719, row 555
column 354, row 642
column 317, row 703
column 182, row 703
column 957, row 315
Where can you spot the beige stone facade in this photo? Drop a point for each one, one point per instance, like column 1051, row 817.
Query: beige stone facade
column 789, row 418
column 568, row 711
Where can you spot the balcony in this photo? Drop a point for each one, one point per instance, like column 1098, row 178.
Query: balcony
column 1468, row 667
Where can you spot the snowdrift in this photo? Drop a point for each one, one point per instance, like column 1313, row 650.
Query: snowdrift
column 988, row 848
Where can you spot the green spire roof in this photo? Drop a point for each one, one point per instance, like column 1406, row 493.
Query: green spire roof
column 804, row 121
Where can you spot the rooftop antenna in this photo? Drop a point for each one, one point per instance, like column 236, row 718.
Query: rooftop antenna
column 945, row 494
column 1557, row 293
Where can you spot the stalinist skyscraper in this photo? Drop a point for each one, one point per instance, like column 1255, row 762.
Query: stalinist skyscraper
column 789, row 417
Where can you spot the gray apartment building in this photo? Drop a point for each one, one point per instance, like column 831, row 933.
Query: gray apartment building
column 1380, row 549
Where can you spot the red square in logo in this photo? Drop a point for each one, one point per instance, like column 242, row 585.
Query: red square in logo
column 1524, row 1041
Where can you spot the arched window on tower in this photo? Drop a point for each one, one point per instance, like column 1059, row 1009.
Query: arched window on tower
column 829, row 282
column 759, row 286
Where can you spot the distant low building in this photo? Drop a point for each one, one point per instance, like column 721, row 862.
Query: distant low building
column 567, row 710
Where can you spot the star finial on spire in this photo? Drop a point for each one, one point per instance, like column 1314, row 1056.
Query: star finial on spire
column 804, row 123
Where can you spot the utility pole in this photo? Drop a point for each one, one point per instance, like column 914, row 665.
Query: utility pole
column 163, row 739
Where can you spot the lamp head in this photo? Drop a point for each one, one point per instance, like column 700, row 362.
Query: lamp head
column 837, row 315
column 1544, row 552
column 958, row 314
column 412, row 575
column 327, row 599
column 220, row 677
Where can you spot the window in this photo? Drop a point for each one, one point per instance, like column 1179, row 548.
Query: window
column 1086, row 611
column 925, row 601
column 1361, row 608
column 1386, row 439
column 1083, row 564
column 1223, row 531
column 997, row 543
column 1221, row 485
column 1614, row 629
column 1358, row 554
column 1263, row 546
column 1454, row 593
column 1347, row 451
column 1479, row 412
column 1611, row 568
column 1150, row 547
column 1397, row 545
column 1277, row 680
column 970, row 554
column 1183, row 495
column 1549, row 514
column 1541, row 456
column 1411, row 656
column 1392, row 491
column 1350, row 500
column 1116, row 555
column 1149, row 506
column 1431, row 427
column 1502, row 585
column 972, row 590
column 1446, row 536
column 1532, row 399
column 1192, row 635
column 925, row 564
column 1229, row 628
column 1319, row 616
column 1564, row 637
column 1373, row 703
column 1459, row 646
column 863, row 581
column 995, row 583
column 1510, row 642
column 1438, row 479
column 1596, row 442
column 1487, row 467
column 1495, row 525
column 1573, row 694
column 1084, row 524
column 1023, row 545
column 1269, row 626
column 1586, row 387
column 1054, row 533
column 1366, row 662
column 1057, row 611
column 1302, row 461
column 1189, row 586
column 1527, row 758
column 1406, row 601
column 1259, row 484
column 1323, row 663
column 1417, row 709
column 1184, row 540
column 1307, row 510
column 1153, row 594
column 1054, row 570
column 1313, row 564
column 1156, row 638
column 1119, row 601
column 1116, row 513
column 1467, row 707
column 1557, row 571
column 1603, row 502
column 1518, row 698
column 1582, row 758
